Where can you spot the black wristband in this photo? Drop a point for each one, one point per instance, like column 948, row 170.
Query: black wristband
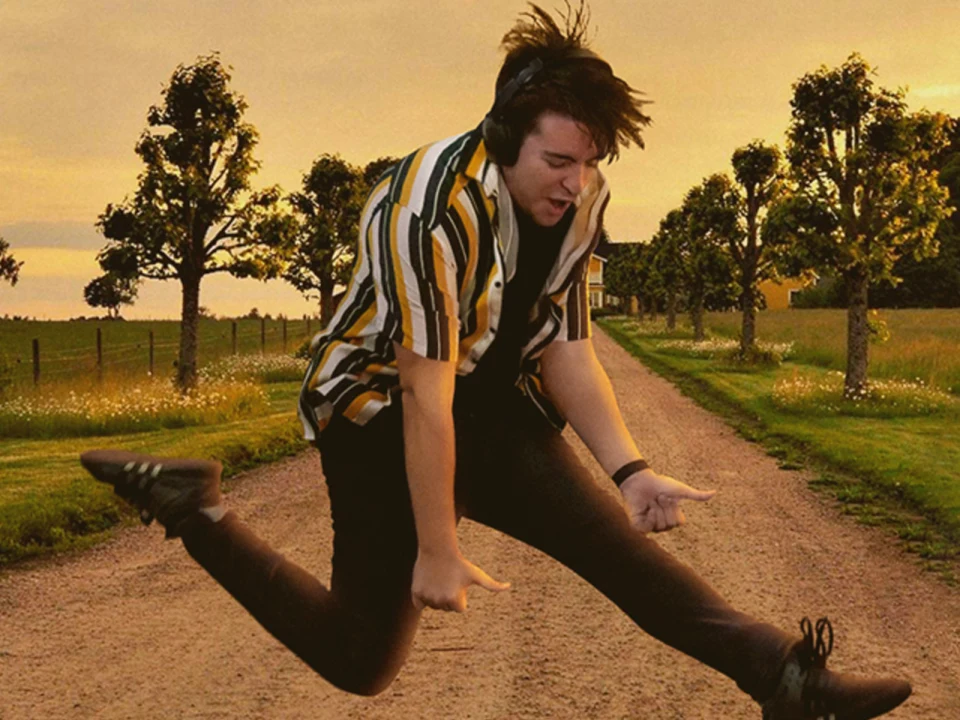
column 629, row 469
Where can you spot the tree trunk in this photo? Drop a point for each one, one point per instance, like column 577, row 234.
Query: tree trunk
column 632, row 305
column 748, row 332
column 696, row 316
column 652, row 308
column 189, row 320
column 858, row 335
column 672, row 309
column 638, row 301
column 326, row 300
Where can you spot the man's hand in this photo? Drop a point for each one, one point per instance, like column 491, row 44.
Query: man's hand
column 441, row 581
column 653, row 500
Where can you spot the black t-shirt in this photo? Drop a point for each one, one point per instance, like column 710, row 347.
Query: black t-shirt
column 499, row 367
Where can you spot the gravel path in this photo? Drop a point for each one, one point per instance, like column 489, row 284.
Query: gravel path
column 134, row 629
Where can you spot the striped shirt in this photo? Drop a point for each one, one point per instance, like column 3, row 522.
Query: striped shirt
column 438, row 241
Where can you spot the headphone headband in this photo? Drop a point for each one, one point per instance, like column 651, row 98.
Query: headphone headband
column 495, row 133
column 523, row 78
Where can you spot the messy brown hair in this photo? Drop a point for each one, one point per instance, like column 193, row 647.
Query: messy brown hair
column 583, row 88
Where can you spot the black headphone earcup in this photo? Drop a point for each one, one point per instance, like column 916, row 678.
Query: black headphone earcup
column 499, row 141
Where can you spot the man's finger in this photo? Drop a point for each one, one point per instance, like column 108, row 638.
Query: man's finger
column 642, row 521
column 417, row 602
column 488, row 583
column 670, row 508
column 685, row 492
column 660, row 517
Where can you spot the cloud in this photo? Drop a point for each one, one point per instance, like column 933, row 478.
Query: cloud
column 54, row 235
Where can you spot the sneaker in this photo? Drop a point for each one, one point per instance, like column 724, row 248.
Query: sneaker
column 808, row 691
column 168, row 489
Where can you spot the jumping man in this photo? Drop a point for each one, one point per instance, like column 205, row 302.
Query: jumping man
column 439, row 390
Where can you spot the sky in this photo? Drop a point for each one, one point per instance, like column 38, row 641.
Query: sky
column 366, row 78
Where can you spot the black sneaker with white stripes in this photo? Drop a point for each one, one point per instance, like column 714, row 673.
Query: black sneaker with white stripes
column 168, row 489
column 808, row 691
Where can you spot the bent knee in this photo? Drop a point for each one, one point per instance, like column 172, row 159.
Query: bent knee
column 365, row 679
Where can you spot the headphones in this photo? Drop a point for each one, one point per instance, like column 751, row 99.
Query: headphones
column 498, row 135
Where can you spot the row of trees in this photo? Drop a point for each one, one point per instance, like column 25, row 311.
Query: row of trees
column 864, row 185
column 195, row 213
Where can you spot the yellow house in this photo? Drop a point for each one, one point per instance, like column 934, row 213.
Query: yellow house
column 596, row 281
column 779, row 295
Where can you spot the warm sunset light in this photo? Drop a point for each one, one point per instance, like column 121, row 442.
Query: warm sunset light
column 367, row 79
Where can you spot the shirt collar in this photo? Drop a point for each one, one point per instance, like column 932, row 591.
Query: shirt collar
column 481, row 167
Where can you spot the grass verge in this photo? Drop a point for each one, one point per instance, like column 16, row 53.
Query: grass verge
column 898, row 473
column 48, row 503
column 126, row 408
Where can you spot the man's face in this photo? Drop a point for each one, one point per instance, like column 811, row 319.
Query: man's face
column 558, row 158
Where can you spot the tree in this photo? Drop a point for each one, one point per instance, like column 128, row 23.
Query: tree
column 618, row 277
column 110, row 291
column 756, row 168
column 865, row 189
column 193, row 214
column 327, row 215
column 9, row 267
column 710, row 210
column 931, row 281
column 667, row 249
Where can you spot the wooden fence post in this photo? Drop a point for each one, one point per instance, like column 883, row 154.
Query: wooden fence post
column 36, row 361
column 151, row 353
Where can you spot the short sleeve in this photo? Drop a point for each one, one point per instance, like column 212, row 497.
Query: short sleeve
column 414, row 277
column 575, row 320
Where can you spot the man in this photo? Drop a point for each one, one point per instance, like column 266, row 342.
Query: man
column 439, row 389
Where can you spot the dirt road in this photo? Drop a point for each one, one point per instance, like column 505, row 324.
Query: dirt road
column 135, row 629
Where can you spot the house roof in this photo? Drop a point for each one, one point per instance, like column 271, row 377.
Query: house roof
column 606, row 249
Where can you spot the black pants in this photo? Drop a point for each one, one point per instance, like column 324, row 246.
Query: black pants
column 516, row 474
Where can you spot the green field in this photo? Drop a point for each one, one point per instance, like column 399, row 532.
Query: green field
column 68, row 349
column 49, row 503
column 923, row 344
column 895, row 471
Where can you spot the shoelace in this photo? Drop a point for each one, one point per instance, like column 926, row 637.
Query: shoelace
column 140, row 479
column 814, row 654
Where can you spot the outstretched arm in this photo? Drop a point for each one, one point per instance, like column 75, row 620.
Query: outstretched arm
column 580, row 389
column 441, row 574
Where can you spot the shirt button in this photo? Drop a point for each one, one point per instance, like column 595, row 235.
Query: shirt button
column 493, row 330
column 498, row 284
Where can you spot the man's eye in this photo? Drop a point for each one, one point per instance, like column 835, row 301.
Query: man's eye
column 556, row 163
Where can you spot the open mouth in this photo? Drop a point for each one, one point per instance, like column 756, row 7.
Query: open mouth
column 559, row 205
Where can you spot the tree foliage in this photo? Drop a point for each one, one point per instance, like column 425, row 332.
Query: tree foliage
column 758, row 173
column 9, row 266
column 110, row 291
column 193, row 213
column 667, row 258
column 710, row 214
column 326, row 219
column 864, row 188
